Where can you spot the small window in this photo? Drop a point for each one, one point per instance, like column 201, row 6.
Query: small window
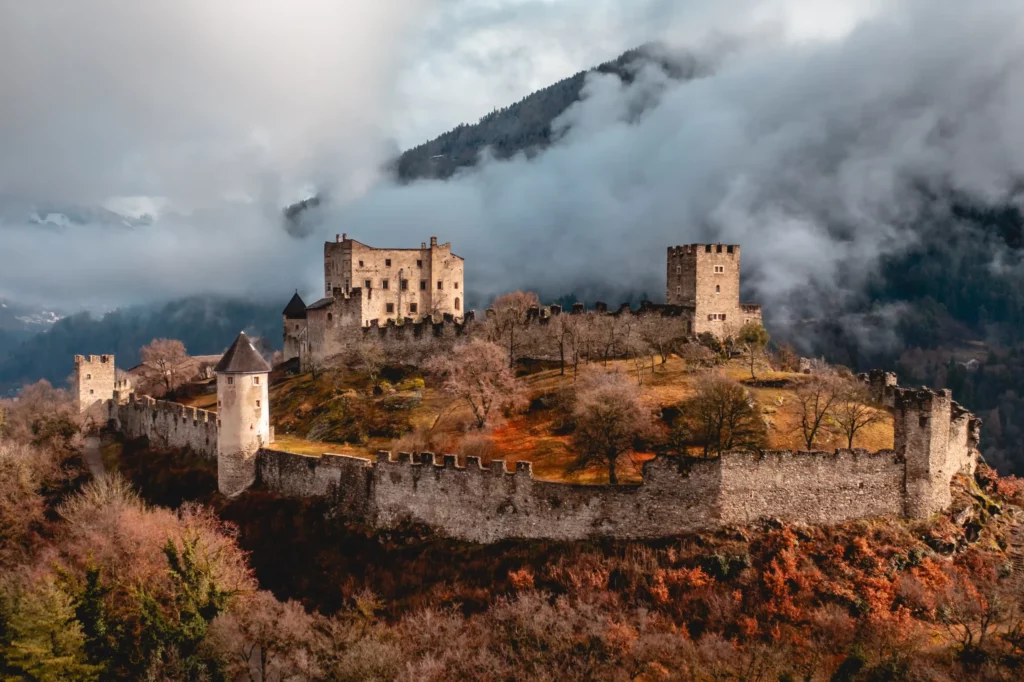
column 405, row 284
column 718, row 289
column 257, row 403
column 440, row 285
column 360, row 263
column 387, row 262
column 719, row 249
column 231, row 380
column 88, row 376
column 723, row 317
column 330, row 317
column 456, row 304
column 369, row 284
column 456, row 285
column 679, row 290
column 419, row 263
column 707, row 249
column 729, row 249
column 719, row 269
column 391, row 307
column 679, row 269
column 91, row 391
column 412, row 307
column 255, row 381
column 423, row 285
column 384, row 284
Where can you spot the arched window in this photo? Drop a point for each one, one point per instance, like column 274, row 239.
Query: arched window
column 456, row 304
column 718, row 289
column 330, row 316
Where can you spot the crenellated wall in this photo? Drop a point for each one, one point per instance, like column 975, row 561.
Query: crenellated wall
column 481, row 504
column 166, row 424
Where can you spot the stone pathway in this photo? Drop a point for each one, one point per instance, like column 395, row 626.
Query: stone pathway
column 91, row 453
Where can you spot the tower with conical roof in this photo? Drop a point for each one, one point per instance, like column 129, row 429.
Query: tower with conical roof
column 294, row 326
column 243, row 415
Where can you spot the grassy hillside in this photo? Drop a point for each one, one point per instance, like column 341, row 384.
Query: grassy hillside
column 338, row 413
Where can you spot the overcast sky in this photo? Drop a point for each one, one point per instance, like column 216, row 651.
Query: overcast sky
column 803, row 145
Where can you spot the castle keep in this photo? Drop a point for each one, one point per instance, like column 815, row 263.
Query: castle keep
column 365, row 286
column 705, row 280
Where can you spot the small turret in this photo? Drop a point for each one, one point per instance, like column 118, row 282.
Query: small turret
column 243, row 415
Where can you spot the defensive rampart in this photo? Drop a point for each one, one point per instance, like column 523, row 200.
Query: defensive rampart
column 481, row 504
column 165, row 424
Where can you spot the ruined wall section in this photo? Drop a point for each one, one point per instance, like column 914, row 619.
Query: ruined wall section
column 166, row 424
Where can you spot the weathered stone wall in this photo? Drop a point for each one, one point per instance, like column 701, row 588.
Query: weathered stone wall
column 93, row 381
column 813, row 487
column 166, row 424
column 346, row 481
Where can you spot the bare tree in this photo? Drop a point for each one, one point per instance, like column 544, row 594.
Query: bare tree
column 754, row 338
column 165, row 355
column 853, row 409
column 816, row 400
column 479, row 373
column 662, row 334
column 610, row 416
column 561, row 329
column 369, row 358
column 264, row 638
column 720, row 417
column 510, row 316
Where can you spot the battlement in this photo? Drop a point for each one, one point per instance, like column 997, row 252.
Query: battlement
column 166, row 424
column 472, row 464
column 697, row 249
column 94, row 359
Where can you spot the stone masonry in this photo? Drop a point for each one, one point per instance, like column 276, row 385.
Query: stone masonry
column 706, row 279
column 93, row 380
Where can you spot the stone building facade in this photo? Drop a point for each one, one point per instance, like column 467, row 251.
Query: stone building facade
column 705, row 278
column 396, row 283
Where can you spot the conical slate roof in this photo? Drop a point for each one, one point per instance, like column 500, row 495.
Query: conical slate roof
column 296, row 308
column 242, row 358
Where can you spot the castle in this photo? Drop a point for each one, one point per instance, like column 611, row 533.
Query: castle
column 386, row 289
column 363, row 285
column 935, row 439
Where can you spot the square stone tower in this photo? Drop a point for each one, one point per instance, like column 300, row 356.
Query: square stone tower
column 706, row 278
column 93, row 381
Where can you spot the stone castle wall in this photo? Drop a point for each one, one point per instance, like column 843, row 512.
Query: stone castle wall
column 481, row 504
column 93, row 381
column 166, row 424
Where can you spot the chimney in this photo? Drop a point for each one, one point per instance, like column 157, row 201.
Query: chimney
column 433, row 241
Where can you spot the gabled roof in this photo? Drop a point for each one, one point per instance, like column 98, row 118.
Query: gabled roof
column 242, row 358
column 296, row 308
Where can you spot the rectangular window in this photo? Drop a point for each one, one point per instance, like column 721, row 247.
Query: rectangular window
column 423, row 285
column 419, row 263
column 91, row 391
column 255, row 381
column 412, row 307
column 405, row 284
column 387, row 262
column 440, row 285
column 719, row 269
column 329, row 287
column 369, row 285
column 231, row 380
column 456, row 285
column 360, row 263
column 384, row 284
column 257, row 403
column 391, row 307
